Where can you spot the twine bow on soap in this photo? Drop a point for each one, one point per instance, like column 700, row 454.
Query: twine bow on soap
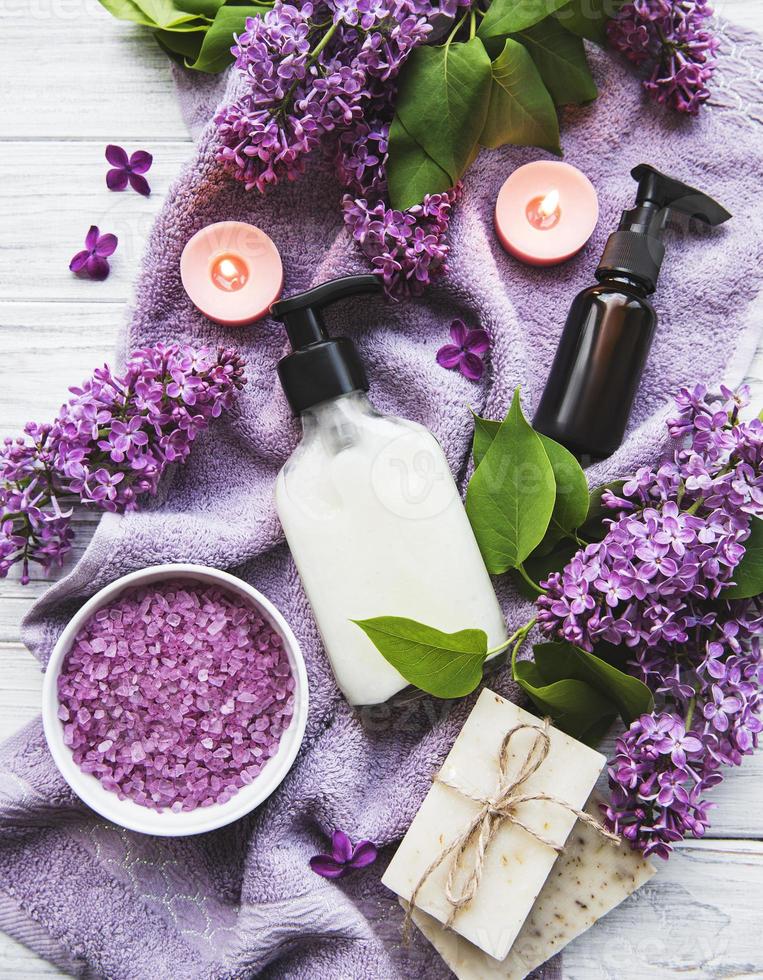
column 493, row 813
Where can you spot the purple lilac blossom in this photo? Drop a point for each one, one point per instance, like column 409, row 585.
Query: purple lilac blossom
column 109, row 445
column 407, row 249
column 464, row 352
column 310, row 71
column 345, row 856
column 124, row 170
column 92, row 262
column 175, row 696
column 655, row 584
column 322, row 75
column 671, row 39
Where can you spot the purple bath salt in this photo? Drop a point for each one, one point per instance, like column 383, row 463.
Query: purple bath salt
column 176, row 695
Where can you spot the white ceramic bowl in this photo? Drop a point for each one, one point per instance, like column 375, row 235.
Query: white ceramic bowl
column 131, row 815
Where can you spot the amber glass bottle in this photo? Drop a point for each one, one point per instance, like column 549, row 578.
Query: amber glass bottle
column 597, row 367
column 606, row 339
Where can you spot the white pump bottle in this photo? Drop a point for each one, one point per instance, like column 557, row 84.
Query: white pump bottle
column 369, row 508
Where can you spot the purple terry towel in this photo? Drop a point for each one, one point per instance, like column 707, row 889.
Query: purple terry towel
column 242, row 901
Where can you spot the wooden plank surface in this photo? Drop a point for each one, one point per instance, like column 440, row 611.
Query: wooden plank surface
column 73, row 80
column 71, row 72
column 699, row 917
column 50, row 198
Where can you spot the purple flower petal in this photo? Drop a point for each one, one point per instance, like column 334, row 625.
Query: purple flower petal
column 140, row 161
column 116, row 180
column 449, row 356
column 325, row 866
column 341, row 847
column 139, row 184
column 363, row 854
column 79, row 260
column 471, row 366
column 97, row 267
column 91, row 238
column 106, row 245
column 458, row 332
column 116, row 156
column 477, row 341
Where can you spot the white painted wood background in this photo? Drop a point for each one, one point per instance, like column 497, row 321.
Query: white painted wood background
column 73, row 79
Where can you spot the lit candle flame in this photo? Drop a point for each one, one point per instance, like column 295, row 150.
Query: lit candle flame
column 548, row 205
column 228, row 269
column 229, row 272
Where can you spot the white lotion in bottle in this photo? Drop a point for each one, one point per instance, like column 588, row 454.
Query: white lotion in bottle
column 369, row 508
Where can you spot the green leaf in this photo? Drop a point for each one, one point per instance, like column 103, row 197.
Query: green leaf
column 511, row 493
column 161, row 14
column 593, row 529
column 571, row 504
column 521, row 111
column 748, row 575
column 581, row 692
column 485, row 431
column 411, row 172
column 448, row 665
column 180, row 45
column 561, row 61
column 539, row 566
column 200, row 8
column 442, row 101
column 165, row 14
column 127, row 10
column 509, row 16
column 215, row 52
column 574, row 706
column 628, row 694
column 588, row 18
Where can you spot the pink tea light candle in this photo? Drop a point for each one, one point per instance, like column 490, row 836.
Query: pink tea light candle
column 546, row 211
column 232, row 272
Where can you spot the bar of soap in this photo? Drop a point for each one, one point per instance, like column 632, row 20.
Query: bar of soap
column 516, row 864
column 589, row 879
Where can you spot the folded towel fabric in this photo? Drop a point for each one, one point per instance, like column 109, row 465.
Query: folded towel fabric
column 242, row 901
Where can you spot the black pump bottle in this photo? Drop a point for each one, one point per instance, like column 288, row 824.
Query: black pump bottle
column 606, row 339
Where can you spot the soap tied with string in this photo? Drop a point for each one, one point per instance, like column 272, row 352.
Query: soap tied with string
column 476, row 861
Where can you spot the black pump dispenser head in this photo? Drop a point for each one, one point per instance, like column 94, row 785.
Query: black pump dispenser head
column 320, row 367
column 636, row 249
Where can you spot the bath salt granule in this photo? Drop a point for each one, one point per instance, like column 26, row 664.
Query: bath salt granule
column 175, row 696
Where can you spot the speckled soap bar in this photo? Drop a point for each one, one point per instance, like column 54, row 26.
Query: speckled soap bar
column 516, row 864
column 589, row 879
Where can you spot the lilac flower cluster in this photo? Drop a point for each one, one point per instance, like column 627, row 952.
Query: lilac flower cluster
column 322, row 75
column 408, row 249
column 309, row 71
column 655, row 583
column 671, row 38
column 109, row 445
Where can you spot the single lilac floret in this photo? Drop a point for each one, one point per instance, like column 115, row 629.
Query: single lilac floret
column 345, row 856
column 465, row 351
column 126, row 170
column 92, row 261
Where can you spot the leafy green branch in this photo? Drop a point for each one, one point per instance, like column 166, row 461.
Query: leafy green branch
column 528, row 503
column 196, row 33
column 489, row 85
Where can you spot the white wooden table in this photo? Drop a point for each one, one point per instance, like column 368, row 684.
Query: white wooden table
column 72, row 80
